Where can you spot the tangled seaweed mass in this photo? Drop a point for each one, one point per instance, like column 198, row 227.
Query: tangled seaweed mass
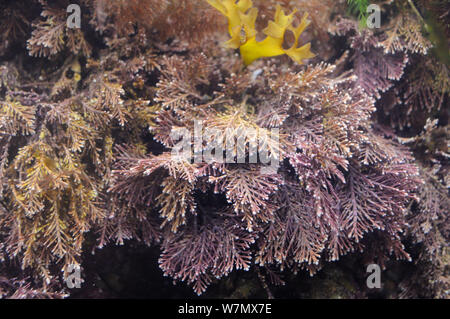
column 355, row 120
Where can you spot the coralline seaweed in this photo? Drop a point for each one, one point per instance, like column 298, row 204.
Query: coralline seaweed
column 354, row 140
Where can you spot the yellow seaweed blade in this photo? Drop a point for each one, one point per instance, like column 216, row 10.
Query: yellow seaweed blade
column 299, row 54
column 253, row 50
column 241, row 27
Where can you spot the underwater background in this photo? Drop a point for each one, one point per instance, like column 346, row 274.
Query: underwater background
column 224, row 149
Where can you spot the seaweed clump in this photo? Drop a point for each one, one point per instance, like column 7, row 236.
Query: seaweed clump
column 119, row 132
